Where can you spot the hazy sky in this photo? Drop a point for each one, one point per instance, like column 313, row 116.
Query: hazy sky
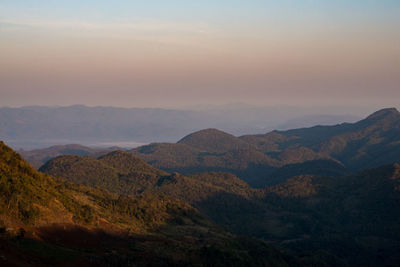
column 179, row 52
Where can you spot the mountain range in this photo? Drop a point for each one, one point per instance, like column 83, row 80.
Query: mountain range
column 267, row 159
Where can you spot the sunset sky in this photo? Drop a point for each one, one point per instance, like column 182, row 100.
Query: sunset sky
column 171, row 53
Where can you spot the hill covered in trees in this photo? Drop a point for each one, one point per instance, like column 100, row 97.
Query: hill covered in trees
column 338, row 221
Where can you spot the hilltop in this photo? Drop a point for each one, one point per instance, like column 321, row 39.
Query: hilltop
column 213, row 141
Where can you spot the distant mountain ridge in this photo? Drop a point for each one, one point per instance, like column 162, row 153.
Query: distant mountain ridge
column 266, row 159
column 370, row 142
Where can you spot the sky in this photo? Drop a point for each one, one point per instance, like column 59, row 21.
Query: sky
column 178, row 53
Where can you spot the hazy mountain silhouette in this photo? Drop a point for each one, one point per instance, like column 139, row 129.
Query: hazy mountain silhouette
column 39, row 127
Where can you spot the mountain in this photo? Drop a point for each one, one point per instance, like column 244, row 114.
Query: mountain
column 258, row 159
column 47, row 221
column 38, row 157
column 334, row 221
column 316, row 136
column 371, row 142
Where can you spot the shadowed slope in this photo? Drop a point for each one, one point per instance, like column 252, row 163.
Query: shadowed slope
column 354, row 216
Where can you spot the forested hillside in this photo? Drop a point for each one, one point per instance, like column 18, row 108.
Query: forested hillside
column 46, row 221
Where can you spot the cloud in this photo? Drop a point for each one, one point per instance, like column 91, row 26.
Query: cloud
column 195, row 35
column 119, row 26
